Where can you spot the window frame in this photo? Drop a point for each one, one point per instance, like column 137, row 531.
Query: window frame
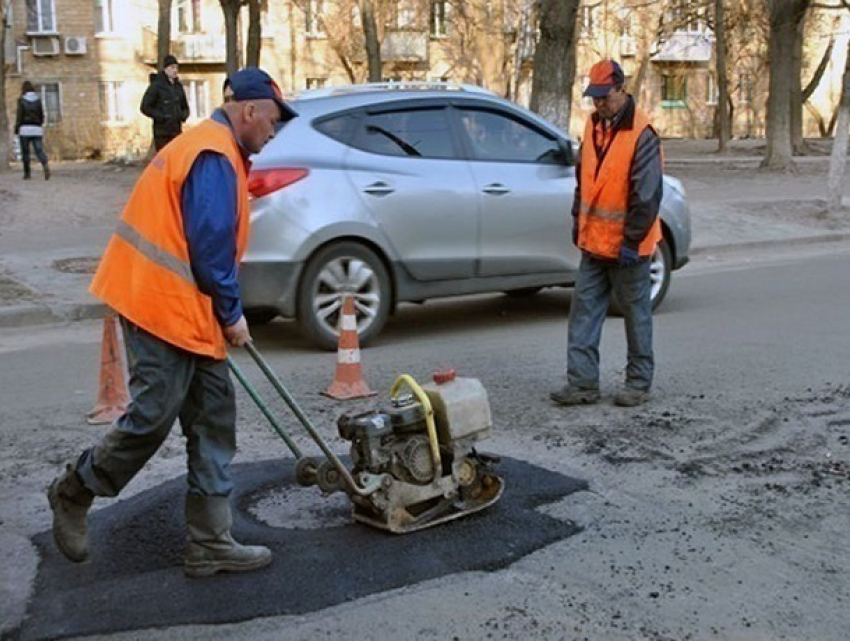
column 113, row 104
column 41, row 89
column 438, row 24
column 40, row 30
column 313, row 23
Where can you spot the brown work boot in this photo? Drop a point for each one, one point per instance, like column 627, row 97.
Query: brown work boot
column 631, row 397
column 570, row 395
column 210, row 548
column 70, row 501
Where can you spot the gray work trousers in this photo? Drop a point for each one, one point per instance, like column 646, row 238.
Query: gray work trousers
column 167, row 383
column 589, row 307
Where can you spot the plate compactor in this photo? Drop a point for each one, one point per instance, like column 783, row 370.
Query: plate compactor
column 414, row 464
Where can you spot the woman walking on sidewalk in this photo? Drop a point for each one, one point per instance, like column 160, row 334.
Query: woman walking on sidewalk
column 29, row 127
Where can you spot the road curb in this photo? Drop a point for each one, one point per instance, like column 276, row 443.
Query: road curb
column 40, row 314
column 835, row 237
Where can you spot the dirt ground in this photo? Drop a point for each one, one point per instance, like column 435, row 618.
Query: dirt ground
column 755, row 494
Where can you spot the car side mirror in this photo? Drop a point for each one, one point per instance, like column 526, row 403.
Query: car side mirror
column 567, row 155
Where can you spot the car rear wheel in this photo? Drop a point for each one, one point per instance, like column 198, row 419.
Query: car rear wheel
column 659, row 273
column 335, row 271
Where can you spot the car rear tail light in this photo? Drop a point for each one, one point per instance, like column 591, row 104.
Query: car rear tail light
column 265, row 181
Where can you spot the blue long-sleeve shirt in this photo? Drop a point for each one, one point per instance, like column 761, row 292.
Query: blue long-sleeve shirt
column 210, row 206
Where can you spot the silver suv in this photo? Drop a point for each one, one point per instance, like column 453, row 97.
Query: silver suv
column 398, row 193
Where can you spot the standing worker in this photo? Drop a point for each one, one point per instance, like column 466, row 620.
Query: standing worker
column 619, row 184
column 165, row 103
column 29, row 127
column 169, row 271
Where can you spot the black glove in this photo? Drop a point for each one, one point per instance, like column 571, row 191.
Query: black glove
column 575, row 233
column 628, row 257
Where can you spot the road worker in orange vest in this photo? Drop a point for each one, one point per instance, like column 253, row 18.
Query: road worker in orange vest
column 169, row 271
column 619, row 184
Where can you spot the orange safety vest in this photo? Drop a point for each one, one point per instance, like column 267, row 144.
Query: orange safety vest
column 145, row 273
column 605, row 193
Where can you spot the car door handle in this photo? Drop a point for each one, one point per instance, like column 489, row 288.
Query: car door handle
column 496, row 189
column 379, row 188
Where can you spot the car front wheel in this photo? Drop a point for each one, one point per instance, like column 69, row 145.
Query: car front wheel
column 334, row 272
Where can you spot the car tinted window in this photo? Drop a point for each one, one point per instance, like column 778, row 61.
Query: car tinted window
column 498, row 137
column 341, row 128
column 420, row 133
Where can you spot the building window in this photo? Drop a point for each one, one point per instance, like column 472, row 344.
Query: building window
column 711, row 90
column 406, row 18
column 674, row 90
column 52, row 101
column 313, row 18
column 187, row 17
column 113, row 107
column 745, row 89
column 439, row 26
column 316, row 83
column 197, row 95
column 104, row 16
column 41, row 16
column 685, row 15
column 585, row 21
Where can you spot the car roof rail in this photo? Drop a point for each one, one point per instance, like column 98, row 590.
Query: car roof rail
column 393, row 85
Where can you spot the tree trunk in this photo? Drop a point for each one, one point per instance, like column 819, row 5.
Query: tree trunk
column 370, row 36
column 555, row 62
column 5, row 140
column 230, row 8
column 798, row 145
column 723, row 124
column 163, row 32
column 838, row 157
column 784, row 17
column 254, row 46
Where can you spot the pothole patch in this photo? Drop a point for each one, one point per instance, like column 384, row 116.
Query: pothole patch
column 301, row 508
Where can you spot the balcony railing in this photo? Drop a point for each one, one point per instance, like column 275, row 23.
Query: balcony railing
column 682, row 46
column 405, row 46
column 194, row 48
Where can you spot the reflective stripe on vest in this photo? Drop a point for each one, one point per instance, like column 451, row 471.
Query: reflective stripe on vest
column 155, row 254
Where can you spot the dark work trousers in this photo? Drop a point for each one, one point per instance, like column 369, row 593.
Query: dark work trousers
column 166, row 384
column 588, row 309
column 38, row 147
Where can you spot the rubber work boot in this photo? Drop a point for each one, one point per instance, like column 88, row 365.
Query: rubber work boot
column 210, row 547
column 46, row 172
column 631, row 397
column 569, row 395
column 70, row 501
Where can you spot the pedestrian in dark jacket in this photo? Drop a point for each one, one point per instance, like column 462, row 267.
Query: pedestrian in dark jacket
column 29, row 127
column 165, row 103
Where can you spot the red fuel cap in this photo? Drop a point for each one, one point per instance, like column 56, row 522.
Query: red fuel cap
column 444, row 376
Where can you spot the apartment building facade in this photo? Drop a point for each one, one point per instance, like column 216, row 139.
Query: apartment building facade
column 91, row 60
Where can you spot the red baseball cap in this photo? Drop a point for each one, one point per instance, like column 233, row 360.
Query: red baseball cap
column 604, row 76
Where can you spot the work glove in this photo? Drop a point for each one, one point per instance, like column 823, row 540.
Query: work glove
column 627, row 257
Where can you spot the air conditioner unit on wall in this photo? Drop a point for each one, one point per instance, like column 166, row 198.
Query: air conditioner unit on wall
column 75, row 45
column 45, row 46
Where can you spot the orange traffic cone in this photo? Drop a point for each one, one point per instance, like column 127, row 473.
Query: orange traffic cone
column 348, row 381
column 112, row 398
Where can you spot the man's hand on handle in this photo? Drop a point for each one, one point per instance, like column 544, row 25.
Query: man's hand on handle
column 238, row 334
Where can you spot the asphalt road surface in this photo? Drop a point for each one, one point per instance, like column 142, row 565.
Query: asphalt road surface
column 716, row 511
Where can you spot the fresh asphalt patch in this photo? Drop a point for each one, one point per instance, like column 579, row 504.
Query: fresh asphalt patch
column 134, row 579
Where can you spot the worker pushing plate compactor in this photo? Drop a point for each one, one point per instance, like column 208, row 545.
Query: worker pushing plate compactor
column 414, row 464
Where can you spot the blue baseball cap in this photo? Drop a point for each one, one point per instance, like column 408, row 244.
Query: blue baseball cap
column 252, row 83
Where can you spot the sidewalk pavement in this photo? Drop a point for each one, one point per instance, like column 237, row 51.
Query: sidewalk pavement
column 50, row 284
